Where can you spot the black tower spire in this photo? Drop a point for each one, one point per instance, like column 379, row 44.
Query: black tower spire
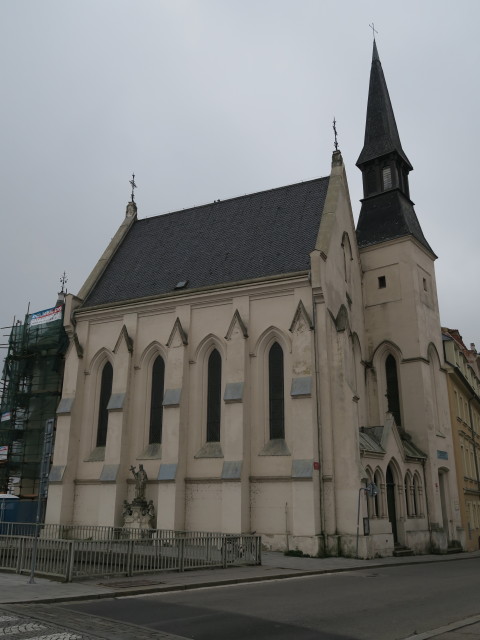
column 387, row 211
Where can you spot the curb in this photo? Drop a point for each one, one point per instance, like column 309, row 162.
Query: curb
column 139, row 591
column 434, row 633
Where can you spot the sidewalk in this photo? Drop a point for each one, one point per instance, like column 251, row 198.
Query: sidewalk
column 16, row 588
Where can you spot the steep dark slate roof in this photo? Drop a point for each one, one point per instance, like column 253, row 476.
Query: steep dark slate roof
column 253, row 236
column 387, row 216
column 381, row 133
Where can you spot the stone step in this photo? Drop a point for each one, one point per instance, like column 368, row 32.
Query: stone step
column 401, row 551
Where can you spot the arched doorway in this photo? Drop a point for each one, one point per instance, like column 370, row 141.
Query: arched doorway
column 392, row 512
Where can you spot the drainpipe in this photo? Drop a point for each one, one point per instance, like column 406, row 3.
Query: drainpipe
column 473, row 439
column 319, row 424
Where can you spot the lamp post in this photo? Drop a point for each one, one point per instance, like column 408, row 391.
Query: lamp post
column 372, row 490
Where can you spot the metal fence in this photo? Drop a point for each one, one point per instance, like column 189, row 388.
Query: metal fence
column 81, row 531
column 91, row 532
column 81, row 558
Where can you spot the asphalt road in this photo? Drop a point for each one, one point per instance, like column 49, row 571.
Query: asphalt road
column 382, row 604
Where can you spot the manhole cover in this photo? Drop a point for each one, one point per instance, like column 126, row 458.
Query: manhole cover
column 125, row 584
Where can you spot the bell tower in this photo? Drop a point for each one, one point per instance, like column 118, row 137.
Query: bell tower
column 402, row 322
column 387, row 211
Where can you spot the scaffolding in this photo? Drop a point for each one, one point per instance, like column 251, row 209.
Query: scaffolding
column 29, row 390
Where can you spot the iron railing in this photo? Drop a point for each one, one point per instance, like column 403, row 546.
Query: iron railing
column 81, row 558
column 90, row 532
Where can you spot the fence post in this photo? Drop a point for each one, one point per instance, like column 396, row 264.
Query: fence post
column 20, row 551
column 224, row 552
column 209, row 550
column 70, row 560
column 130, row 557
column 181, row 554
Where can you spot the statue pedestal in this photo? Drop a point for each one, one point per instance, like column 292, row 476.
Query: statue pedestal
column 138, row 515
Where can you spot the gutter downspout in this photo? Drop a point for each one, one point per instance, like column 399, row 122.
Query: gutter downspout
column 319, row 425
column 473, row 439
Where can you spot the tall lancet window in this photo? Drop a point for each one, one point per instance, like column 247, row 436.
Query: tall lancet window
column 276, row 399
column 105, row 393
column 156, row 401
column 393, row 394
column 214, row 396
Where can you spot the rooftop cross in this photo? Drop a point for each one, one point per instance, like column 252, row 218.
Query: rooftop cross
column 63, row 282
column 134, row 186
column 374, row 31
column 335, row 132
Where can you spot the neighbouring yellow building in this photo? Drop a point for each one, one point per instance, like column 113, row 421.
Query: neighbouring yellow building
column 464, row 396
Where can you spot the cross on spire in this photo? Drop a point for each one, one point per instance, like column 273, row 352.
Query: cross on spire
column 63, row 282
column 335, row 133
column 374, row 31
column 134, row 186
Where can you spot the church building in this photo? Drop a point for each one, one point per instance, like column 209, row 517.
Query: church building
column 272, row 368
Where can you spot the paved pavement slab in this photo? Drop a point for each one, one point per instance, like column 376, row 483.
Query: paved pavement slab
column 47, row 622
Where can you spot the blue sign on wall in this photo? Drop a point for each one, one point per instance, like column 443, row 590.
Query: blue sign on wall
column 442, row 455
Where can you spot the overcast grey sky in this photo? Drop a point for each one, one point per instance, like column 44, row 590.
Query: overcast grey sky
column 208, row 99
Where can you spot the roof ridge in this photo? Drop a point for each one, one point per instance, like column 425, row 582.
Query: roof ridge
column 245, row 195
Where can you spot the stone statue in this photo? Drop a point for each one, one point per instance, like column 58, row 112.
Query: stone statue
column 140, row 482
column 151, row 509
column 127, row 509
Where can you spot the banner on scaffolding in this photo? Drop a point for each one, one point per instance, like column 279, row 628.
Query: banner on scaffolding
column 6, row 415
column 3, row 453
column 47, row 315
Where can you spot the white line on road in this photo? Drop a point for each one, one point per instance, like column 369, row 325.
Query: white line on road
column 449, row 627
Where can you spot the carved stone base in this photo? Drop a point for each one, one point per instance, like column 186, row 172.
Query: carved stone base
column 138, row 515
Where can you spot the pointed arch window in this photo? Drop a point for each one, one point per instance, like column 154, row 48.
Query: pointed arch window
column 105, row 393
column 276, row 392
column 393, row 394
column 347, row 257
column 214, row 396
column 377, row 500
column 156, row 401
column 409, row 495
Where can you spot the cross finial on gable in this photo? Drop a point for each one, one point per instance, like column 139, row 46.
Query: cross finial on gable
column 63, row 282
column 335, row 134
column 134, row 186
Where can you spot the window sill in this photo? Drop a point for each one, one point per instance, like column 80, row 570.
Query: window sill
column 97, row 455
column 210, row 450
column 152, row 452
column 277, row 447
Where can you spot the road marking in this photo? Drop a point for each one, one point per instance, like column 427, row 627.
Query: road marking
column 466, row 622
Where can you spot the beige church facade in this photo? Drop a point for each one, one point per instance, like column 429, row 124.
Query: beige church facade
column 266, row 362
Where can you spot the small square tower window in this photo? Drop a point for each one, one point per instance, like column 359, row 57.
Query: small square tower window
column 382, row 282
